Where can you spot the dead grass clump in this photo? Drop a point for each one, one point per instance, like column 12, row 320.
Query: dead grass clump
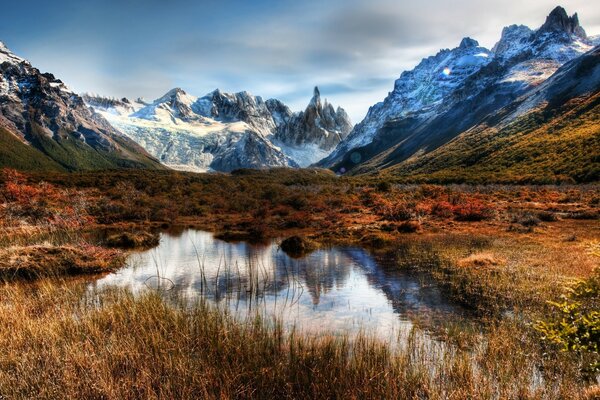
column 33, row 262
column 480, row 260
column 132, row 240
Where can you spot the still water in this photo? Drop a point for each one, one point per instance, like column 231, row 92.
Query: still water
column 339, row 290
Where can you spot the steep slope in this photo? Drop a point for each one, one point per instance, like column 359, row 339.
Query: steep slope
column 225, row 131
column 521, row 61
column 15, row 153
column 418, row 94
column 552, row 134
column 41, row 112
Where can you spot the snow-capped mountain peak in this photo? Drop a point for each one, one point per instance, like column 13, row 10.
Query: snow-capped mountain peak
column 316, row 99
column 468, row 42
column 8, row 56
column 468, row 76
column 224, row 131
column 512, row 38
column 420, row 91
column 175, row 105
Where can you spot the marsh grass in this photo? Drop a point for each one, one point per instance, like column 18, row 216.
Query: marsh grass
column 59, row 341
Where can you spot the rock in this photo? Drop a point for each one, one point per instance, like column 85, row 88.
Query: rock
column 296, row 246
column 318, row 124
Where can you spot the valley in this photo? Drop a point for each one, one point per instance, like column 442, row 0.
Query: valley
column 221, row 246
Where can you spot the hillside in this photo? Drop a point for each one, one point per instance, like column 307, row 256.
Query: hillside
column 548, row 145
column 16, row 154
column 47, row 126
column 493, row 116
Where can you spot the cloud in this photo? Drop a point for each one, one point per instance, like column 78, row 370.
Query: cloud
column 352, row 49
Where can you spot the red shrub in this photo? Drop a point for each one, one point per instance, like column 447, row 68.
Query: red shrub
column 473, row 210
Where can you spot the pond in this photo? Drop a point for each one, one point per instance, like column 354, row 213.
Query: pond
column 338, row 290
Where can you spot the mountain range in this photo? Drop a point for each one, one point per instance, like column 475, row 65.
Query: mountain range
column 226, row 131
column 526, row 110
column 464, row 111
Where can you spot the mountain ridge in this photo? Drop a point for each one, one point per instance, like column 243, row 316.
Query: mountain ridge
column 520, row 61
column 41, row 112
column 224, row 131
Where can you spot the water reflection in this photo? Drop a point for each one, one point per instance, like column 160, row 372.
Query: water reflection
column 340, row 290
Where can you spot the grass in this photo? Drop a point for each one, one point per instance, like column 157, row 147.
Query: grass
column 43, row 261
column 56, row 346
column 132, row 240
column 504, row 251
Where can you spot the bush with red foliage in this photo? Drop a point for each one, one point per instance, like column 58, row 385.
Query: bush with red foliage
column 41, row 203
column 473, row 210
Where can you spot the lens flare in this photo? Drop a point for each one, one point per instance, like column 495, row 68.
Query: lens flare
column 446, row 71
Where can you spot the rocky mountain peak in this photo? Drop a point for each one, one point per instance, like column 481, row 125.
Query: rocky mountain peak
column 173, row 95
column 468, row 42
column 316, row 99
column 559, row 21
column 319, row 124
column 511, row 36
column 8, row 56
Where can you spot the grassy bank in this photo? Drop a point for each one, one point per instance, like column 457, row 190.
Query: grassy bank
column 47, row 261
column 57, row 346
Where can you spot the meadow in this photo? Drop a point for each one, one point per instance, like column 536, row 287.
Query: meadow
column 523, row 258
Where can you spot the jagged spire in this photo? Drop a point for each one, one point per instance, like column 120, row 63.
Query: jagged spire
column 559, row 21
column 316, row 99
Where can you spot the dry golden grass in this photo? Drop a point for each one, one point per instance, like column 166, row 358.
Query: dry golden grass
column 480, row 260
column 46, row 260
column 55, row 345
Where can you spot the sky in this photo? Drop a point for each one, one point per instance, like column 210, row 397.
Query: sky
column 352, row 49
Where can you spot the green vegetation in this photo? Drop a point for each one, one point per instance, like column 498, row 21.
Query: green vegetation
column 578, row 327
column 16, row 154
column 548, row 145
column 68, row 154
column 75, row 155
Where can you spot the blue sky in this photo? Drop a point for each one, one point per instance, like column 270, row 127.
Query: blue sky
column 353, row 50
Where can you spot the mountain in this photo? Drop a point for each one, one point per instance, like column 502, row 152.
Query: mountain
column 455, row 90
column 44, row 125
column 226, row 131
column 549, row 135
column 316, row 131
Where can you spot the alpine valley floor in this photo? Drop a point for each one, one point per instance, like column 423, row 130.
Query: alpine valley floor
column 522, row 258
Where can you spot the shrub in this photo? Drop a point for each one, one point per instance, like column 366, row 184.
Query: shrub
column 526, row 219
column 473, row 210
column 442, row 209
column 409, row 227
column 384, row 186
column 547, row 216
column 577, row 327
